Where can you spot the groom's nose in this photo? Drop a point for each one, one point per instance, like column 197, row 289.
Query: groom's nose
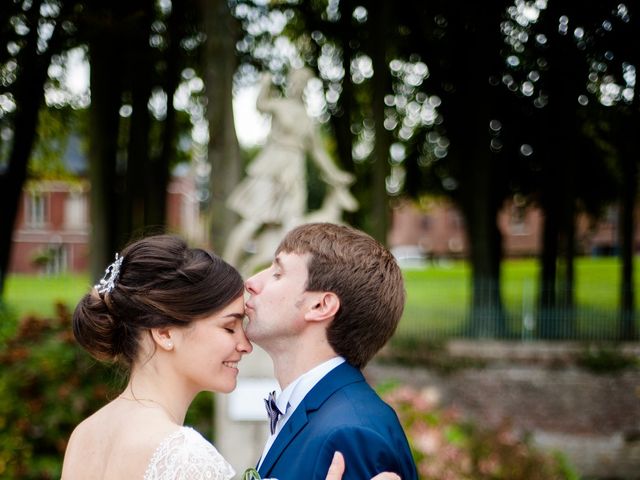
column 252, row 284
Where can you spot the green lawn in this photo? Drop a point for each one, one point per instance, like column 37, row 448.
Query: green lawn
column 35, row 294
column 437, row 296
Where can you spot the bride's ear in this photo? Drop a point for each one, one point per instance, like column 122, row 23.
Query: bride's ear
column 324, row 306
column 162, row 338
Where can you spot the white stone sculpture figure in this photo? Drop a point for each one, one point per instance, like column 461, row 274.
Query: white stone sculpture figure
column 273, row 196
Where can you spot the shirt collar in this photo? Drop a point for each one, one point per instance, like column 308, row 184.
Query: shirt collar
column 293, row 394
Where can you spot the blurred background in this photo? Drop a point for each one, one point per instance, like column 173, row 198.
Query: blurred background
column 495, row 152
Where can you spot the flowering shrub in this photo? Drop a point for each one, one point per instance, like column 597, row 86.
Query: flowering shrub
column 48, row 385
column 447, row 447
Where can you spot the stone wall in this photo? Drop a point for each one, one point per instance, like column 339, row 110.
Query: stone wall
column 593, row 418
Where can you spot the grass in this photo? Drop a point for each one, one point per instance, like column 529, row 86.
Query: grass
column 437, row 296
column 37, row 295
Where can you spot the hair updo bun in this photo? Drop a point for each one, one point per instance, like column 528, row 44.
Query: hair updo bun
column 95, row 328
column 162, row 282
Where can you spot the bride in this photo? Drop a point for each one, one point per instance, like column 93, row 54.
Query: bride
column 173, row 317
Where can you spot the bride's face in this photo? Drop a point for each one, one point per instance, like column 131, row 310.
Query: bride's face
column 208, row 352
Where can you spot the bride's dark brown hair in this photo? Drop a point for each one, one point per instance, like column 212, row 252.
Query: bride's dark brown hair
column 161, row 282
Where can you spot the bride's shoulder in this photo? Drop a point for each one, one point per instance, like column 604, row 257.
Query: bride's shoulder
column 86, row 430
column 185, row 453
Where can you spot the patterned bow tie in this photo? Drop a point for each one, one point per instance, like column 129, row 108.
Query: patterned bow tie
column 272, row 411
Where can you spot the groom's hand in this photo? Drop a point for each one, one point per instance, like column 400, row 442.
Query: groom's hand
column 336, row 469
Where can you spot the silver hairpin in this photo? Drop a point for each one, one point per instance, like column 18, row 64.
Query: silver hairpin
column 111, row 274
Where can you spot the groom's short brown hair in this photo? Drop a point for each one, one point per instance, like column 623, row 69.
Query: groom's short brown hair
column 363, row 274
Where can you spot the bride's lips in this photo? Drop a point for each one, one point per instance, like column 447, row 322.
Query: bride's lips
column 231, row 364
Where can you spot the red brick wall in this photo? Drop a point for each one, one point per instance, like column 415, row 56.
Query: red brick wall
column 438, row 228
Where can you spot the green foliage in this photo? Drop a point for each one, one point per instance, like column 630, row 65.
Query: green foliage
column 48, row 384
column 606, row 359
column 445, row 445
column 47, row 159
column 431, row 353
column 42, row 257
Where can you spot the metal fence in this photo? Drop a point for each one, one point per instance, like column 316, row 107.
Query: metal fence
column 443, row 310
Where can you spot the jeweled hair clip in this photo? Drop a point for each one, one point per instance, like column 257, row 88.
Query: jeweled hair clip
column 111, row 274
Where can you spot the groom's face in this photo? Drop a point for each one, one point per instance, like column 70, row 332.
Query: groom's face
column 278, row 301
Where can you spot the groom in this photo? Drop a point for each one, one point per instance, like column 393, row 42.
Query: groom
column 331, row 299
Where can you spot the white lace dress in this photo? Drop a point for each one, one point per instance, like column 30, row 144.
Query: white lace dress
column 186, row 455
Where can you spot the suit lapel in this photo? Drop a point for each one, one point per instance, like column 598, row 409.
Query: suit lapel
column 340, row 376
column 289, row 431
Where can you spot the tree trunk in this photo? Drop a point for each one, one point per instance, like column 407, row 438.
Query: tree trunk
column 559, row 136
column 28, row 96
column 629, row 159
column 548, row 258
column 159, row 167
column 480, row 192
column 104, row 121
column 341, row 120
column 224, row 150
column 138, row 162
column 379, row 218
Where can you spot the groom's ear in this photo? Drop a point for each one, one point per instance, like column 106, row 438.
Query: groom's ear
column 325, row 305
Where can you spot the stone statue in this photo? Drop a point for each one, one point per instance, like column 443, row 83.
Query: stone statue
column 273, row 196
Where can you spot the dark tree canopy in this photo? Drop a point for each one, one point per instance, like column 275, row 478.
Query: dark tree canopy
column 486, row 104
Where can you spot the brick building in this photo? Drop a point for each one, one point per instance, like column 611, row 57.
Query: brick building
column 435, row 229
column 52, row 228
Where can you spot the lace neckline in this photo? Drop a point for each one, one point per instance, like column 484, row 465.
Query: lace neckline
column 186, row 454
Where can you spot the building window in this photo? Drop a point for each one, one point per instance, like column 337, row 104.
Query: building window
column 75, row 211
column 518, row 221
column 425, row 223
column 59, row 260
column 37, row 210
column 52, row 259
column 454, row 219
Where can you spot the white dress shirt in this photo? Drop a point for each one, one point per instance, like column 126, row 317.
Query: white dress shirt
column 292, row 396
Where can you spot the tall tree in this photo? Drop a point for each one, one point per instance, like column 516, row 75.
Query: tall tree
column 20, row 33
column 101, row 28
column 378, row 27
column 623, row 56
column 136, row 53
column 220, row 64
column 468, row 112
column 573, row 176
column 458, row 150
column 139, row 66
column 563, row 82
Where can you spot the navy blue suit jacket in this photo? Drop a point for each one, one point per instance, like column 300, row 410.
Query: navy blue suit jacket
column 341, row 412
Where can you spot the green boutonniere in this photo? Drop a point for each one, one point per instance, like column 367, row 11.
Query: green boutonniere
column 251, row 474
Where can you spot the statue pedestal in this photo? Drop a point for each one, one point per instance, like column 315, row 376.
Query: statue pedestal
column 241, row 426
